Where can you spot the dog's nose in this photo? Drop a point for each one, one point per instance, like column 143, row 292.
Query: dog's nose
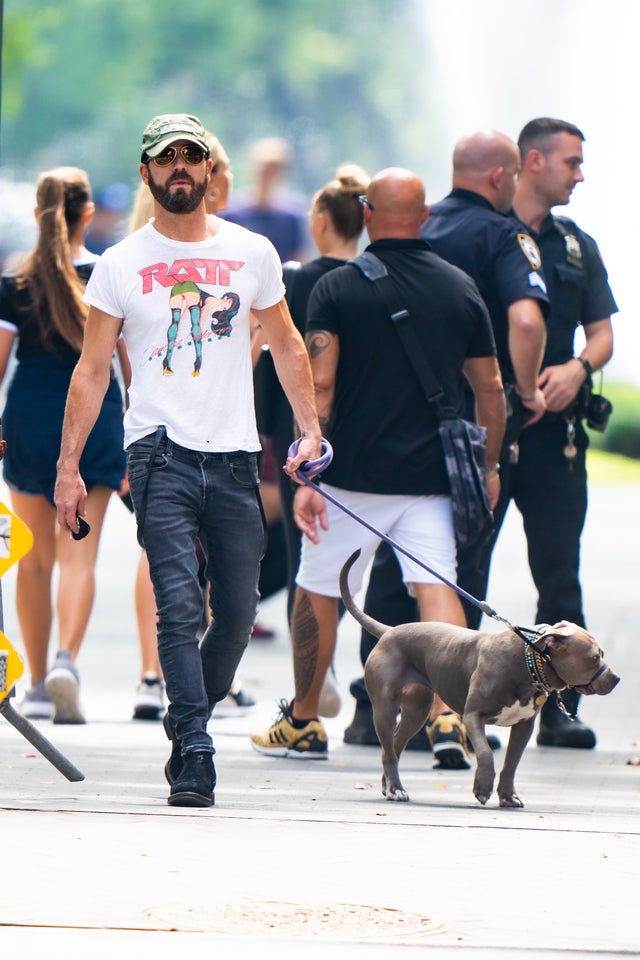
column 606, row 682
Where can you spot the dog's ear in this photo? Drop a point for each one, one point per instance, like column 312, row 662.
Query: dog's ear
column 554, row 637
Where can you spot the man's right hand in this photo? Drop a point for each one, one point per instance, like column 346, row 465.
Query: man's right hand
column 70, row 497
column 492, row 484
column 536, row 403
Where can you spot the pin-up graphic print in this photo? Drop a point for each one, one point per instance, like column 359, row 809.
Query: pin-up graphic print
column 187, row 297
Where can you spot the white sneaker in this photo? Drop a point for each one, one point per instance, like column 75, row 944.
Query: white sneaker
column 237, row 704
column 62, row 685
column 36, row 704
column 149, row 702
column 330, row 702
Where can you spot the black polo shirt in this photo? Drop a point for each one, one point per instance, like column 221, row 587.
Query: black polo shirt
column 577, row 283
column 496, row 251
column 383, row 431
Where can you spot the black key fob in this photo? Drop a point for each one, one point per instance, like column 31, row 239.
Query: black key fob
column 83, row 528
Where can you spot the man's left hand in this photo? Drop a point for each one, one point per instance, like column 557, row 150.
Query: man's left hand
column 560, row 385
column 309, row 448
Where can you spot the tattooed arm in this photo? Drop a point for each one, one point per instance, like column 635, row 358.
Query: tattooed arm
column 309, row 507
column 324, row 351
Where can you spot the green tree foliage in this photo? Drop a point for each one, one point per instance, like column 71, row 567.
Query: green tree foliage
column 339, row 80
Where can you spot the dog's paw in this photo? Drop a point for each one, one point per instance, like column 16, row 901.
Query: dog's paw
column 398, row 794
column 512, row 800
column 482, row 788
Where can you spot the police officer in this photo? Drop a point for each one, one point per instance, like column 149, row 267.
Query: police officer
column 471, row 229
column 553, row 500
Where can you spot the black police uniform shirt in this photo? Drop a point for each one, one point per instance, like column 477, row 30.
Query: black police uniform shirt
column 498, row 253
column 577, row 284
column 383, row 432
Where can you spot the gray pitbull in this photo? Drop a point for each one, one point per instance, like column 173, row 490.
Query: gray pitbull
column 485, row 677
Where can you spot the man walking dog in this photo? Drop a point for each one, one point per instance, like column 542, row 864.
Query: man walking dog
column 469, row 228
column 191, row 436
column 388, row 462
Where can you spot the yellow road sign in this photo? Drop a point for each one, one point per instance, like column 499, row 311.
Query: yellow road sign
column 15, row 539
column 11, row 666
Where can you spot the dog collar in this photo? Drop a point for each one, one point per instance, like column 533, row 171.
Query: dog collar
column 535, row 666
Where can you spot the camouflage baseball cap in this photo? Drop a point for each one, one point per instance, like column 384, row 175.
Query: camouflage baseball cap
column 169, row 127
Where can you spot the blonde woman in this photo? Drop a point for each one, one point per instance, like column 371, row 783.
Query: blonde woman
column 41, row 307
column 336, row 224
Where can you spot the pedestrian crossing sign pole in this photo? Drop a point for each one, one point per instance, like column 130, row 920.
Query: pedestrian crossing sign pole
column 15, row 542
column 15, row 539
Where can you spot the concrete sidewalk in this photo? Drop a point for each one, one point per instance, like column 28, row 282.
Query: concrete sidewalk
column 304, row 857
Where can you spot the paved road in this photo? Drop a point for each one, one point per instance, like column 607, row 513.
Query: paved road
column 308, row 856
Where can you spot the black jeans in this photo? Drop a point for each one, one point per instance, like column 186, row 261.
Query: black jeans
column 212, row 496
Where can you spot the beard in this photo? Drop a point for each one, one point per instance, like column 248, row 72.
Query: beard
column 181, row 200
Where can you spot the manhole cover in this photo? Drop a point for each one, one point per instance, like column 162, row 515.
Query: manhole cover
column 339, row 921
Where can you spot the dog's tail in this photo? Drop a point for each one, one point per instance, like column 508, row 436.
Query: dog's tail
column 373, row 626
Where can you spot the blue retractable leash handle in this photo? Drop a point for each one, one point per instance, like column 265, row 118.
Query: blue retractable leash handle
column 312, row 468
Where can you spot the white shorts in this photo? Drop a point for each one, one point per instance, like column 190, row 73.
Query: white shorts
column 421, row 525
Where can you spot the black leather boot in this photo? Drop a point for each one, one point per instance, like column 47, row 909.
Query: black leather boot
column 361, row 729
column 173, row 766
column 195, row 785
column 558, row 730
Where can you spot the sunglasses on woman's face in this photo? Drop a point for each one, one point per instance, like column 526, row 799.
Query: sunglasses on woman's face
column 191, row 153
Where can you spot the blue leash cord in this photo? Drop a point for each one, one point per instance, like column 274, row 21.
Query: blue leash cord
column 311, row 468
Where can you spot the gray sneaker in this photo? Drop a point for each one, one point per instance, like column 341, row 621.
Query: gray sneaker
column 36, row 704
column 62, row 684
column 330, row 702
column 237, row 704
column 149, row 702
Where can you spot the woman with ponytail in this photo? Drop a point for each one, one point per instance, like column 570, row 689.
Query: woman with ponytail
column 41, row 308
column 336, row 224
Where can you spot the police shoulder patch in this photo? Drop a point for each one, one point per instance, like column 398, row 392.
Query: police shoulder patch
column 530, row 249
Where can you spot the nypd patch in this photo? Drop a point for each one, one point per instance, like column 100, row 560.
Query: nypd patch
column 574, row 253
column 530, row 249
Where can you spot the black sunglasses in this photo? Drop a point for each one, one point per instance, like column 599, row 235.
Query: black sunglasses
column 189, row 152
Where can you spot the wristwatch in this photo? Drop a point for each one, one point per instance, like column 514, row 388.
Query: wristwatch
column 585, row 363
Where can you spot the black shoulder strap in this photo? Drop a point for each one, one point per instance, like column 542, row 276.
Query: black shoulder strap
column 374, row 269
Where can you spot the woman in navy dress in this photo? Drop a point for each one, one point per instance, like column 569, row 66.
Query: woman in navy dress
column 41, row 308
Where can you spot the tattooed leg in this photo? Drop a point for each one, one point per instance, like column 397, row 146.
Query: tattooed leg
column 314, row 626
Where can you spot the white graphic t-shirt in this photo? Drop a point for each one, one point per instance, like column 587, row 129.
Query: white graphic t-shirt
column 185, row 310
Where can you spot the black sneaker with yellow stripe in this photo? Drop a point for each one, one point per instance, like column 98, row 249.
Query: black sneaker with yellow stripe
column 295, row 739
column 448, row 738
